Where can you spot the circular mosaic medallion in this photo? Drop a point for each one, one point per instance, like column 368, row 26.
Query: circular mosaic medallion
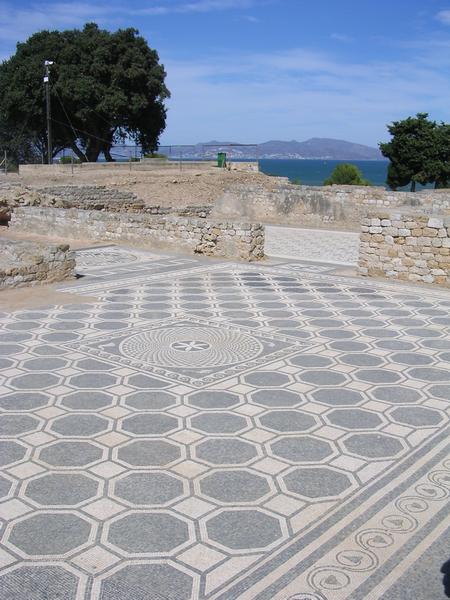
column 191, row 347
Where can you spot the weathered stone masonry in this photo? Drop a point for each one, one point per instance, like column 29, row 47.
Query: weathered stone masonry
column 244, row 241
column 88, row 197
column 329, row 207
column 31, row 263
column 406, row 246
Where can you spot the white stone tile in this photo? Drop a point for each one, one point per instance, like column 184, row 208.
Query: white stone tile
column 439, row 404
column 11, row 509
column 25, row 470
column 6, row 559
column 201, row 557
column 373, row 469
column 107, row 469
column 186, row 436
column 38, row 438
column 189, row 468
column 50, row 412
column 285, row 505
column 241, row 388
column 194, row 507
column 329, row 433
column 316, row 409
column 270, row 466
column 258, row 435
column 181, row 389
column 182, row 411
column 399, row 430
column 120, row 390
column 103, row 509
column 249, row 410
column 112, row 439
column 95, row 560
column 348, row 463
column 376, row 406
column 61, row 390
column 116, row 412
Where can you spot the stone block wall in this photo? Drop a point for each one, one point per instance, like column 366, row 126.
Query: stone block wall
column 243, row 241
column 406, row 246
column 90, row 197
column 87, row 197
column 329, row 207
column 151, row 164
column 31, row 263
column 198, row 212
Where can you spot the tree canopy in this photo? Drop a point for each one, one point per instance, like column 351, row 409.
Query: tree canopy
column 419, row 152
column 346, row 174
column 105, row 88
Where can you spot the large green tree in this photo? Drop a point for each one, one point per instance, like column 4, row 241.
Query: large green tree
column 419, row 152
column 105, row 88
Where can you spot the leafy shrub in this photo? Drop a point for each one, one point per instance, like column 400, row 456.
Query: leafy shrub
column 67, row 160
column 346, row 174
column 154, row 155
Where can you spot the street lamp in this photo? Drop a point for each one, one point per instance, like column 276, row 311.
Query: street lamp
column 47, row 65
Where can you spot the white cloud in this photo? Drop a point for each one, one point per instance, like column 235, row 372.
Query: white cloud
column 297, row 94
column 16, row 24
column 250, row 19
column 341, row 37
column 294, row 93
column 444, row 17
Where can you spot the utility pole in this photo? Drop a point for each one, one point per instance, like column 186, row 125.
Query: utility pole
column 47, row 65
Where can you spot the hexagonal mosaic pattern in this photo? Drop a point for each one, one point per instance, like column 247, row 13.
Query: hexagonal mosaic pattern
column 200, row 429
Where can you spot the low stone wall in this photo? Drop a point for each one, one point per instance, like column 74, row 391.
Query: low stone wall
column 195, row 236
column 336, row 207
column 90, row 197
column 407, row 246
column 31, row 263
column 87, row 197
column 142, row 165
column 198, row 212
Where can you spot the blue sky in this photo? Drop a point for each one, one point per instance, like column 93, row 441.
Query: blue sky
column 252, row 70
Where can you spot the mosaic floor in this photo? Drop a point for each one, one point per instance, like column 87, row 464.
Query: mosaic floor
column 207, row 430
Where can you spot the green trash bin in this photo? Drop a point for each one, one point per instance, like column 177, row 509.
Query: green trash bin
column 221, row 159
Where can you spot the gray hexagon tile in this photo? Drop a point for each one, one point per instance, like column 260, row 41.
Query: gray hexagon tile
column 192, row 427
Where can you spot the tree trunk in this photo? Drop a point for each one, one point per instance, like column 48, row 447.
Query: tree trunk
column 93, row 150
column 107, row 154
column 78, row 152
column 413, row 186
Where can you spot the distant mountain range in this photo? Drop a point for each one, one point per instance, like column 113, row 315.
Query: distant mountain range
column 314, row 148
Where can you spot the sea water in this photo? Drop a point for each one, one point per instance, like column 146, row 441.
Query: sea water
column 314, row 172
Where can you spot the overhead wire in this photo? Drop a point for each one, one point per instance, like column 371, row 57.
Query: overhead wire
column 67, row 117
column 77, row 129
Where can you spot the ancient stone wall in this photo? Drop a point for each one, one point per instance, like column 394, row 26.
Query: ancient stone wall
column 200, row 236
column 90, row 197
column 198, row 212
column 407, row 246
column 32, row 263
column 87, row 197
column 337, row 207
column 143, row 165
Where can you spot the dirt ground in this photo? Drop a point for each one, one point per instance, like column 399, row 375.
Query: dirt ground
column 75, row 244
column 162, row 187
